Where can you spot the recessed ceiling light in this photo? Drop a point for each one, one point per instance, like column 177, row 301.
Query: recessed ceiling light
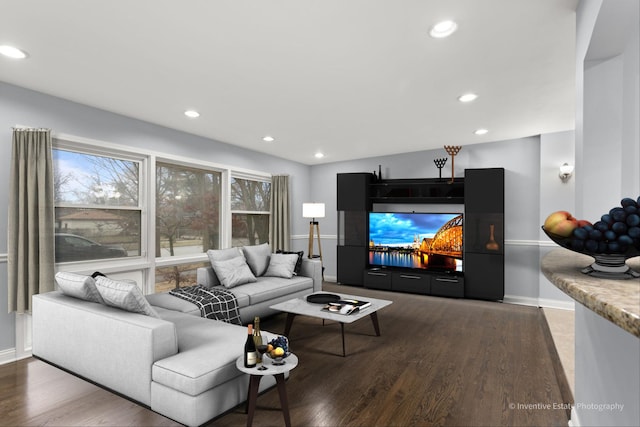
column 268, row 139
column 192, row 113
column 481, row 131
column 318, row 155
column 12, row 52
column 443, row 29
column 467, row 97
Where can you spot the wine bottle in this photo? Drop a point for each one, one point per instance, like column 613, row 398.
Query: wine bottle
column 257, row 337
column 250, row 349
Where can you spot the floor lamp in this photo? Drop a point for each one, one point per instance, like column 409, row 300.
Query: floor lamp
column 313, row 211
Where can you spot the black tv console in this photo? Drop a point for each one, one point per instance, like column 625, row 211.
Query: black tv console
column 481, row 191
column 417, row 282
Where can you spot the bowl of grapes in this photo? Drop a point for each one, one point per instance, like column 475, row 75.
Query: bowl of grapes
column 278, row 350
column 611, row 240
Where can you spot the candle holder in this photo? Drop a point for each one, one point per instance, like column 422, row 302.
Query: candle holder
column 440, row 164
column 452, row 150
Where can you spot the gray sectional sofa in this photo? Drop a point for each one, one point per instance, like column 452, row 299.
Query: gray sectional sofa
column 157, row 350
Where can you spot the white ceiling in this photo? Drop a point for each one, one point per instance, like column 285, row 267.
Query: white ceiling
column 350, row 78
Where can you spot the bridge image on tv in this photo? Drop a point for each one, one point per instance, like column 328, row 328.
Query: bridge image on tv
column 416, row 240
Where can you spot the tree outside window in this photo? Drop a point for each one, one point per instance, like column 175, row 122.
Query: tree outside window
column 97, row 209
column 187, row 210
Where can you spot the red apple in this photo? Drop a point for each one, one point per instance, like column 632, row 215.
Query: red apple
column 561, row 223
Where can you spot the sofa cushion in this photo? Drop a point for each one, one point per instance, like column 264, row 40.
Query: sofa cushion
column 300, row 254
column 257, row 257
column 233, row 272
column 124, row 295
column 207, row 357
column 282, row 265
column 78, row 286
column 268, row 288
column 221, row 255
column 168, row 301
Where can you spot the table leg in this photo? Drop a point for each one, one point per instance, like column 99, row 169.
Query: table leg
column 374, row 319
column 288, row 324
column 254, row 383
column 342, row 331
column 284, row 403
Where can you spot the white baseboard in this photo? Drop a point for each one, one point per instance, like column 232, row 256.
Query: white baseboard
column 558, row 304
column 518, row 300
column 333, row 279
column 7, row 356
column 539, row 302
column 10, row 356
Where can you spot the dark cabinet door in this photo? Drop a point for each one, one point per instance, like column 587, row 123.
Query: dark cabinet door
column 411, row 282
column 353, row 203
column 352, row 261
column 484, row 276
column 484, row 190
column 484, row 233
column 353, row 191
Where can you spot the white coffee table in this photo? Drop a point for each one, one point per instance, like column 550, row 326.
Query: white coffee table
column 300, row 306
column 256, row 375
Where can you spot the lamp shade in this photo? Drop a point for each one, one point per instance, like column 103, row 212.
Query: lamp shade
column 566, row 169
column 313, row 210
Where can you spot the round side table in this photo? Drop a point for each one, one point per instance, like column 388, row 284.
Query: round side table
column 255, row 376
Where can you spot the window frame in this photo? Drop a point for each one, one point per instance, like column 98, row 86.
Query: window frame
column 65, row 144
column 144, row 266
column 247, row 177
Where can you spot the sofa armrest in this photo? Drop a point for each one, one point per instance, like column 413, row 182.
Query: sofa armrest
column 312, row 268
column 112, row 347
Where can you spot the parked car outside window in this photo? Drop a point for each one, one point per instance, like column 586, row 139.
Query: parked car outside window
column 71, row 247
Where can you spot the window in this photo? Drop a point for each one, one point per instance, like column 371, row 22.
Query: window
column 187, row 210
column 107, row 211
column 250, row 204
column 180, row 275
column 97, row 206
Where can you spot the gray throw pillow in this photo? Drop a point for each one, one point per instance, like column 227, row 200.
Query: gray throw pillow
column 300, row 254
column 124, row 295
column 78, row 286
column 221, row 255
column 233, row 272
column 282, row 265
column 257, row 258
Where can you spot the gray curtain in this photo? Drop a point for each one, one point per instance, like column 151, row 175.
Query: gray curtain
column 280, row 219
column 30, row 238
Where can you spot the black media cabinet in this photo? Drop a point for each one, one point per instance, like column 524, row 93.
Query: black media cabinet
column 417, row 282
column 481, row 191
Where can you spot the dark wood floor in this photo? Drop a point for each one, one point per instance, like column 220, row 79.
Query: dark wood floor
column 439, row 361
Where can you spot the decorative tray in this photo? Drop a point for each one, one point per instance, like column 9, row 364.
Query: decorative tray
column 323, row 298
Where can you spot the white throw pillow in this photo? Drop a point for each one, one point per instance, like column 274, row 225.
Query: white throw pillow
column 78, row 286
column 233, row 272
column 221, row 255
column 124, row 295
column 282, row 265
column 257, row 258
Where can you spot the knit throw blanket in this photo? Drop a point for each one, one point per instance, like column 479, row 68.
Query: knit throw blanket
column 218, row 304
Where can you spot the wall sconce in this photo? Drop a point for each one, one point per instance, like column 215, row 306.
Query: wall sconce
column 566, row 170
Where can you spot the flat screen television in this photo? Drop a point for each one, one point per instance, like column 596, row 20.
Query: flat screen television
column 417, row 240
